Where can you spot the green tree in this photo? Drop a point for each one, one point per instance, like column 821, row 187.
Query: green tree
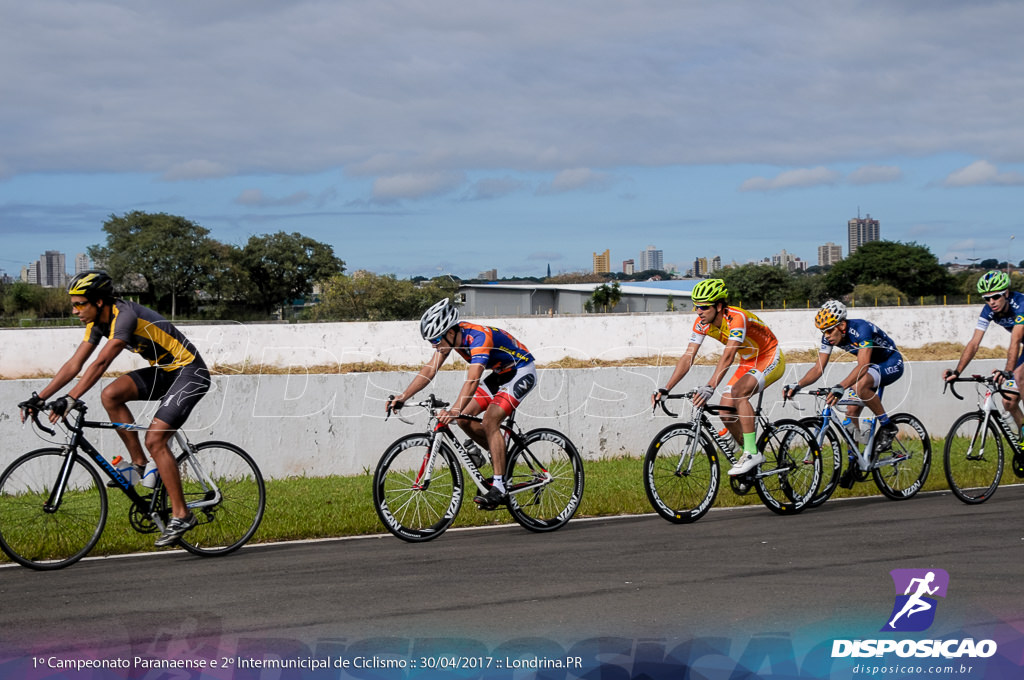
column 606, row 296
column 171, row 253
column 284, row 267
column 908, row 267
column 379, row 297
column 752, row 284
column 873, row 294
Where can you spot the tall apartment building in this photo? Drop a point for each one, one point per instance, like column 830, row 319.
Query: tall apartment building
column 716, row 264
column 82, row 263
column 651, row 258
column 628, row 267
column 861, row 231
column 603, row 262
column 829, row 254
column 788, row 261
column 489, row 275
column 700, row 266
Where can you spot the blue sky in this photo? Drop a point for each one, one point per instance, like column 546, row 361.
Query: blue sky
column 445, row 136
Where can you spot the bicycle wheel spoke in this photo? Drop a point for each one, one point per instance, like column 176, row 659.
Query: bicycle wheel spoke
column 973, row 457
column 49, row 539
column 681, row 475
column 411, row 510
column 790, row 476
column 544, row 480
column 902, row 470
column 224, row 489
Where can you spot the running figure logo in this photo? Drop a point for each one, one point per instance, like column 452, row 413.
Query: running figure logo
column 916, row 589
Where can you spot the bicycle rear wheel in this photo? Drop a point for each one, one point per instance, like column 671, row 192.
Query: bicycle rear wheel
column 903, row 468
column 831, row 460
column 973, row 456
column 545, row 453
column 681, row 475
column 412, row 507
column 43, row 539
column 789, row 477
column 221, row 472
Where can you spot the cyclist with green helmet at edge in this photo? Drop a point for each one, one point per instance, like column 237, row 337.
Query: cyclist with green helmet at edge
column 177, row 376
column 1007, row 310
column 761, row 363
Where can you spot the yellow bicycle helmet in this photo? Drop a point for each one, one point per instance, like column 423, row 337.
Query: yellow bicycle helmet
column 830, row 315
column 708, row 291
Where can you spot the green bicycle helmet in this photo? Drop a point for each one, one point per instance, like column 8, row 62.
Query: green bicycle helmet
column 708, row 291
column 993, row 282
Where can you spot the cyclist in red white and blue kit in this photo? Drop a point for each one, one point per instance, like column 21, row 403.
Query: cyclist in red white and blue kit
column 1005, row 309
column 513, row 376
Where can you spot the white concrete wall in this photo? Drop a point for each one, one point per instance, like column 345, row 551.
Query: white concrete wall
column 33, row 352
column 320, row 424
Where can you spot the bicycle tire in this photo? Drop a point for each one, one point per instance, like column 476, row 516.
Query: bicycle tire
column 546, row 508
column 973, row 459
column 410, row 513
column 906, row 464
column 788, row 478
column 831, row 460
column 43, row 540
column 680, row 490
column 227, row 526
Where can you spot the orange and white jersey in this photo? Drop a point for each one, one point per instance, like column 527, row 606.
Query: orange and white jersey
column 738, row 324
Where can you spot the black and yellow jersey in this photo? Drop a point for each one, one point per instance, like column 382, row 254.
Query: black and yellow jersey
column 146, row 333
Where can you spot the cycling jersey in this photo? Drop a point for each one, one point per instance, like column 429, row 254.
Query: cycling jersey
column 861, row 334
column 1012, row 316
column 146, row 333
column 738, row 324
column 494, row 348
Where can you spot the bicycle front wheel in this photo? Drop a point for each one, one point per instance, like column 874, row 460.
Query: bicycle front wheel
column 831, row 460
column 902, row 470
column 789, row 477
column 224, row 489
column 416, row 503
column 41, row 537
column 544, row 480
column 973, row 455
column 681, row 475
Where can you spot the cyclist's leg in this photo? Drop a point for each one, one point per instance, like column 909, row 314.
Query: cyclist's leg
column 114, row 398
column 481, row 400
column 505, row 402
column 1012, row 403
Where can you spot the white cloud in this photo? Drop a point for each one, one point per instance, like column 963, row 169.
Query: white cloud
column 982, row 173
column 411, row 186
column 875, row 174
column 792, row 179
column 494, row 187
column 255, row 197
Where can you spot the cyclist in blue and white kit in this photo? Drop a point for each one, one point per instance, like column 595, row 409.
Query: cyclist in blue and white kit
column 1006, row 309
column 879, row 363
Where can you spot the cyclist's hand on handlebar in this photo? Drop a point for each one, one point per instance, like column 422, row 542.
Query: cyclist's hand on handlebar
column 835, row 393
column 61, row 406
column 656, row 397
column 445, row 417
column 31, row 406
column 790, row 390
column 702, row 395
column 394, row 404
column 950, row 374
column 1002, row 376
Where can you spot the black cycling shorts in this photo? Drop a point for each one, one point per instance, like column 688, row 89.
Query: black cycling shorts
column 179, row 391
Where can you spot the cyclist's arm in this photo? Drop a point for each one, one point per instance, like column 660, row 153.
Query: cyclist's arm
column 473, row 375
column 815, row 371
column 728, row 356
column 683, row 365
column 68, row 371
column 426, row 374
column 97, row 368
column 969, row 351
column 863, row 361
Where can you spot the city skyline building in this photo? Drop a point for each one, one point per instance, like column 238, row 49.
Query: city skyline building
column 628, row 267
column 861, row 231
column 602, row 262
column 82, row 263
column 651, row 258
column 700, row 266
column 829, row 254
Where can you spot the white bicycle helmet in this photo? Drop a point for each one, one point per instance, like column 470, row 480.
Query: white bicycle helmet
column 830, row 315
column 436, row 321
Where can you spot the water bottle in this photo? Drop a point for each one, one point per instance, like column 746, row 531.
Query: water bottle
column 851, row 429
column 726, row 441
column 127, row 469
column 150, row 476
column 869, row 427
column 474, row 453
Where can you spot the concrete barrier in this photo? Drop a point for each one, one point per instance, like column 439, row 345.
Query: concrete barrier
column 318, row 424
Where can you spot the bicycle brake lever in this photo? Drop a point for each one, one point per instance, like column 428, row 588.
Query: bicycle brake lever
column 35, row 419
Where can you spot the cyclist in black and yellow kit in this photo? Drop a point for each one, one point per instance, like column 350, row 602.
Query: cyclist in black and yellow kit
column 177, row 376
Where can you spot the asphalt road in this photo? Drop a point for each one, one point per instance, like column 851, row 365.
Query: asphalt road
column 738, row 573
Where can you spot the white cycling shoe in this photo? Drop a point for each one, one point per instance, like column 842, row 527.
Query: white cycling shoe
column 746, row 463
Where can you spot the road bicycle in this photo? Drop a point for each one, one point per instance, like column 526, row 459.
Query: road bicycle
column 53, row 504
column 899, row 472
column 418, row 485
column 973, row 452
column 681, row 474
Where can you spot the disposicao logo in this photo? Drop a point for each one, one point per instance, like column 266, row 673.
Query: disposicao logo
column 915, row 606
column 914, row 610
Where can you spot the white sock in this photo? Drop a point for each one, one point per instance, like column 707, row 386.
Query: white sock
column 499, row 483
